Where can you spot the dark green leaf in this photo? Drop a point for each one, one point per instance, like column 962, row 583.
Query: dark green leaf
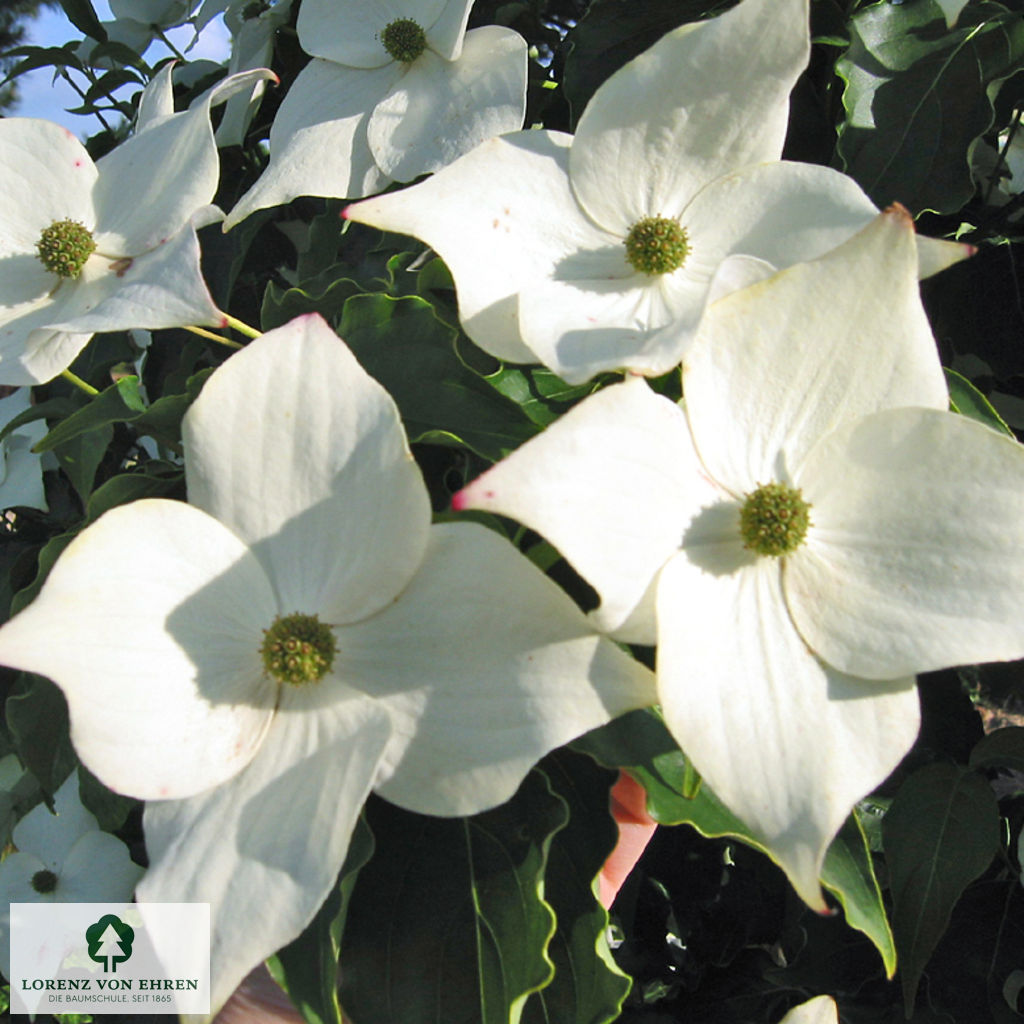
column 541, row 394
column 49, row 554
column 37, row 718
column 126, row 487
column 409, row 350
column 1003, row 748
column 111, row 809
column 919, row 95
column 446, row 924
column 612, row 33
column 81, row 14
column 940, row 833
column 967, row 400
column 307, row 969
column 849, row 874
column 640, row 743
column 81, row 455
column 283, row 304
column 52, row 408
column 587, row 985
column 162, row 420
column 117, row 404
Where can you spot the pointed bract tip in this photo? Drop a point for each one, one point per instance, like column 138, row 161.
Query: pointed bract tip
column 898, row 212
column 346, row 211
column 459, row 501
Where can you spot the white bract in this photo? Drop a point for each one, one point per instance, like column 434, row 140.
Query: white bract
column 109, row 246
column 440, row 664
column 786, row 660
column 21, row 469
column 395, row 90
column 820, row 1010
column 62, row 857
column 599, row 251
column 253, row 26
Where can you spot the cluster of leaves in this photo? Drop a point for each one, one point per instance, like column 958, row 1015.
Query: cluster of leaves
column 493, row 918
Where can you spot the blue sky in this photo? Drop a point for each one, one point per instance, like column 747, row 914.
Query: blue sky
column 40, row 97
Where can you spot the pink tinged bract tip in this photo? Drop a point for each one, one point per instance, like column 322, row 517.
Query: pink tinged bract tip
column 459, row 501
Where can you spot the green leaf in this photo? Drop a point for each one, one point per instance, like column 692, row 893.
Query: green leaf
column 283, row 304
column 111, row 809
column 119, row 403
column 588, row 986
column 162, row 420
column 967, row 400
column 81, row 14
column 446, row 923
column 640, row 743
column 940, row 833
column 81, row 456
column 52, row 408
column 307, row 968
column 541, row 394
column 1003, row 748
column 37, row 718
column 126, row 487
column 47, row 556
column 612, row 33
column 849, row 874
column 410, row 351
column 918, row 96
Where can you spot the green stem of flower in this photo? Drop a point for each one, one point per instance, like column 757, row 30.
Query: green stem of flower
column 78, row 382
column 203, row 333
column 170, row 46
column 242, row 328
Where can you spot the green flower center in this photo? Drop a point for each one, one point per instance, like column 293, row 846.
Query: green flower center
column 64, row 247
column 657, row 245
column 404, row 40
column 774, row 520
column 298, row 649
column 44, row 881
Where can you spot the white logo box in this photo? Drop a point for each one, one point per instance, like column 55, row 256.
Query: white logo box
column 110, row 958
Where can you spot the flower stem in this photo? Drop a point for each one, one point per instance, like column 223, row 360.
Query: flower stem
column 203, row 333
column 78, row 382
column 242, row 328
column 159, row 32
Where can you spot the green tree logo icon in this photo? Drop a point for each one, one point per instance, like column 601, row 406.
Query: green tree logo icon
column 110, row 942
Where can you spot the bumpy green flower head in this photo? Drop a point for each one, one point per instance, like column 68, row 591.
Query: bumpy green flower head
column 298, row 649
column 404, row 40
column 774, row 520
column 44, row 881
column 657, row 245
column 64, row 247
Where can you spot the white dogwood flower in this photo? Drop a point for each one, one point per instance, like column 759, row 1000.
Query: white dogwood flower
column 395, row 90
column 107, row 246
column 810, row 532
column 298, row 635
column 62, row 857
column 600, row 250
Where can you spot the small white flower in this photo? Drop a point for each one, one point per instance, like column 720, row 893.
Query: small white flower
column 98, row 247
column 62, row 858
column 395, row 90
column 813, row 530
column 298, row 635
column 600, row 250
